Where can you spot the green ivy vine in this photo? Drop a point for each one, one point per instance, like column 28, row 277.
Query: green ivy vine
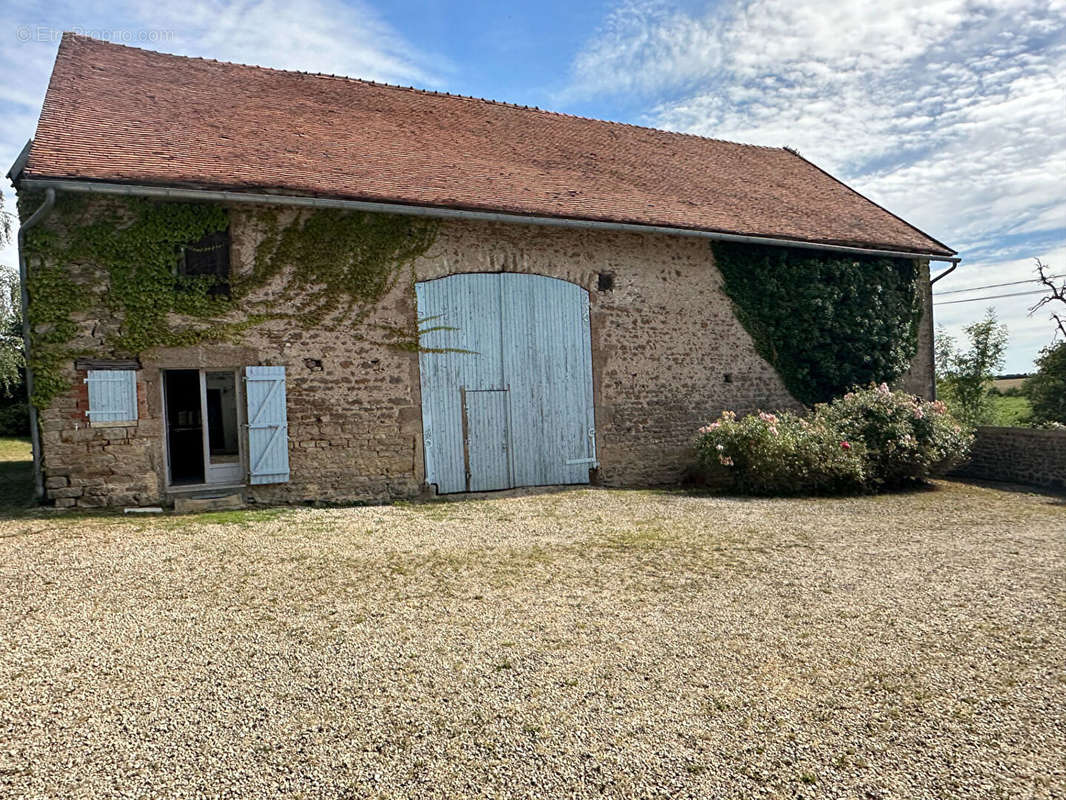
column 319, row 268
column 825, row 322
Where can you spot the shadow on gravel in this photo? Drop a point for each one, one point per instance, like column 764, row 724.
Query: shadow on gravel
column 729, row 493
column 1054, row 497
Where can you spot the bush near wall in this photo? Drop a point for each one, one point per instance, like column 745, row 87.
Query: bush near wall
column 780, row 454
column 869, row 440
column 14, row 417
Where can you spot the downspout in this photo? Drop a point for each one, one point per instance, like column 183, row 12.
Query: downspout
column 944, row 274
column 35, row 433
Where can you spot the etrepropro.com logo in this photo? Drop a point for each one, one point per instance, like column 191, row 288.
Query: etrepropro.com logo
column 45, row 33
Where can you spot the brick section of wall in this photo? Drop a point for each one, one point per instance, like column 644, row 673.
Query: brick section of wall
column 668, row 355
column 1018, row 455
column 106, row 465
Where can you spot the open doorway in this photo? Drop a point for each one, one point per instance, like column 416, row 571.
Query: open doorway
column 203, row 427
column 185, row 432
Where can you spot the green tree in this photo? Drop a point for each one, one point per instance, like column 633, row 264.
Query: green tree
column 965, row 376
column 11, row 361
column 1046, row 389
column 7, row 223
column 14, row 415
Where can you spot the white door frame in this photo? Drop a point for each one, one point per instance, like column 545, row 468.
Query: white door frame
column 218, row 476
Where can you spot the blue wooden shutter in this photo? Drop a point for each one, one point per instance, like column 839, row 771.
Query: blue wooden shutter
column 268, row 430
column 112, row 395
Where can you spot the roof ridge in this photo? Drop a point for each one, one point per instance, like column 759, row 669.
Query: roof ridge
column 472, row 98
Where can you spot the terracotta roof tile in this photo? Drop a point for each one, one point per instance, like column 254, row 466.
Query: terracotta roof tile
column 116, row 113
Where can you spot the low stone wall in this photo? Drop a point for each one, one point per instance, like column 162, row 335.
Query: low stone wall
column 1018, row 455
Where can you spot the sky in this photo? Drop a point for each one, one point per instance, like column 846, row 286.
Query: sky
column 951, row 113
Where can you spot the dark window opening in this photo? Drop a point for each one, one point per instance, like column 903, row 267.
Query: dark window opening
column 208, row 258
column 605, row 282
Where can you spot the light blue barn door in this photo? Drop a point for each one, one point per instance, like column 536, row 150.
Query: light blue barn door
column 462, row 315
column 547, row 355
column 506, row 375
column 487, row 441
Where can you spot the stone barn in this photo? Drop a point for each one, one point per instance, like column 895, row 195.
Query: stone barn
column 295, row 287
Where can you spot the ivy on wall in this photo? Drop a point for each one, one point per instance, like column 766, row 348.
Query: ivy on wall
column 341, row 262
column 825, row 322
column 321, row 268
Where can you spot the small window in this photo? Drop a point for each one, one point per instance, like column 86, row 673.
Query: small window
column 208, row 258
column 112, row 396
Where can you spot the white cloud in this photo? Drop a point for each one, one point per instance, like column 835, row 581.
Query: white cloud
column 340, row 38
column 668, row 48
column 331, row 36
column 951, row 113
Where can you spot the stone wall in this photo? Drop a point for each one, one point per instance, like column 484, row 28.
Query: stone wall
column 920, row 378
column 102, row 465
column 1018, row 455
column 668, row 355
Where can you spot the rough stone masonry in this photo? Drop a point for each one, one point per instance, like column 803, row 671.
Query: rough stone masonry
column 668, row 355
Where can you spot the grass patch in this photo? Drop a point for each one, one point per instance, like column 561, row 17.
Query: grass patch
column 241, row 517
column 16, row 475
column 1011, row 412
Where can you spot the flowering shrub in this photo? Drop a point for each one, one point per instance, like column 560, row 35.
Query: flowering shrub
column 867, row 440
column 780, row 454
column 907, row 439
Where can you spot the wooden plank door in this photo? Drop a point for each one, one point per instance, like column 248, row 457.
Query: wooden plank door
column 506, row 377
column 487, row 440
column 547, row 354
column 465, row 311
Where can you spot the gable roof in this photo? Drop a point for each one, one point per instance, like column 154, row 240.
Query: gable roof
column 124, row 115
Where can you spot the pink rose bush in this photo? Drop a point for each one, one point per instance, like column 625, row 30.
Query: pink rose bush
column 774, row 454
column 867, row 440
column 907, row 439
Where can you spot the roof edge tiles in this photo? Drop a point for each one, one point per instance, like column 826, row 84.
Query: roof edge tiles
column 122, row 115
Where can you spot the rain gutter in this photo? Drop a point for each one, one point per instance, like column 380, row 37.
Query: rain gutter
column 208, row 195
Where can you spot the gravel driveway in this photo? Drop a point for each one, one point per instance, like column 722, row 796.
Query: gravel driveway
column 572, row 644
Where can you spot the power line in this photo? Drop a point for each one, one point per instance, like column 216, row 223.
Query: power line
column 998, row 285
column 988, row 297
